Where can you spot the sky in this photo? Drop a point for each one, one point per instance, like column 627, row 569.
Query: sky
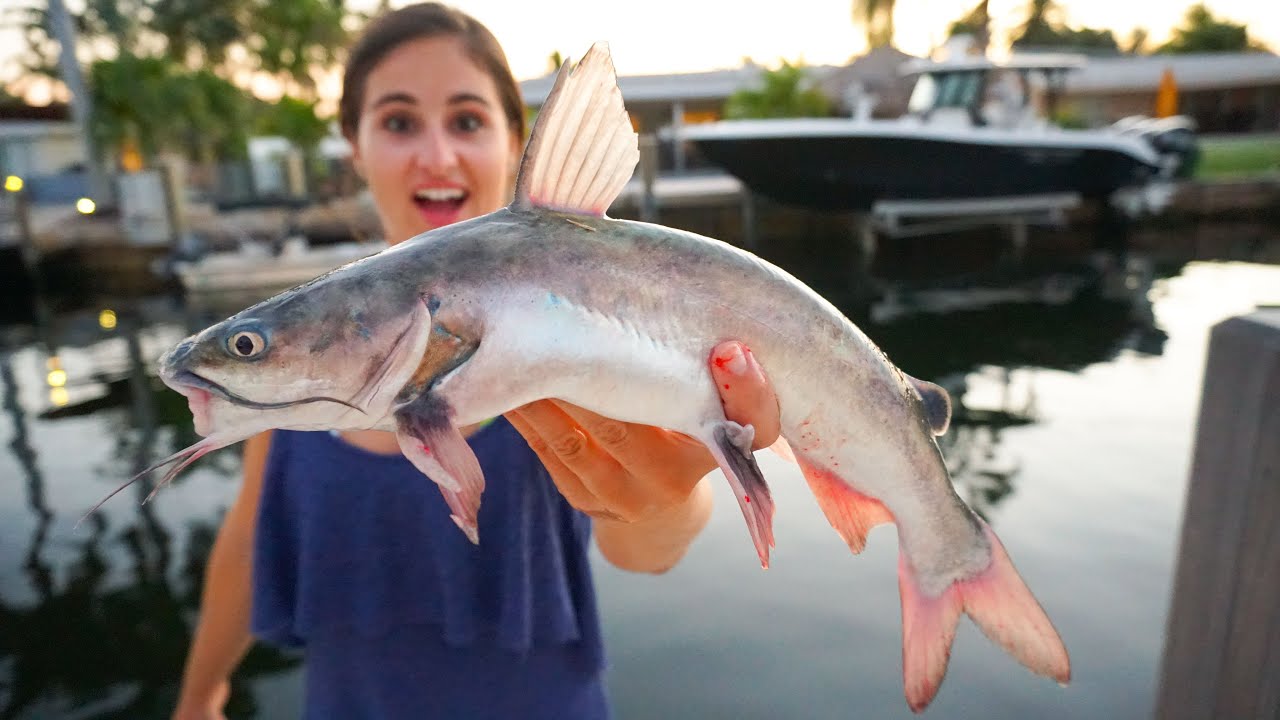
column 668, row 36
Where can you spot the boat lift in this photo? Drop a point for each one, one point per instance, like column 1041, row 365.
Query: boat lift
column 910, row 218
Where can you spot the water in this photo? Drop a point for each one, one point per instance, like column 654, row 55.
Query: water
column 1072, row 436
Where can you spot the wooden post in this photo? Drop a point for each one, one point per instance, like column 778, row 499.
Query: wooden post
column 648, row 176
column 1222, row 647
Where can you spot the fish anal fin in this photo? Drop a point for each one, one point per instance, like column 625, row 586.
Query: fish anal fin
column 730, row 444
column 1000, row 604
column 582, row 150
column 936, row 403
column 429, row 439
column 782, row 449
column 850, row 512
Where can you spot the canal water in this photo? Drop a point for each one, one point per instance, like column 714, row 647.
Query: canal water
column 1072, row 436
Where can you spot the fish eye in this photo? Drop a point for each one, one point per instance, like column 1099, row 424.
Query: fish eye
column 246, row 344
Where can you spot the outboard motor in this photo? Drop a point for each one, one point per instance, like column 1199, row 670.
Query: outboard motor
column 1173, row 139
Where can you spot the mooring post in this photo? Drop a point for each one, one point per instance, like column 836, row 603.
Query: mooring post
column 1222, row 644
column 648, row 177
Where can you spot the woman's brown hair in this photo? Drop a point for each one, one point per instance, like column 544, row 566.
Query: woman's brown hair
column 415, row 22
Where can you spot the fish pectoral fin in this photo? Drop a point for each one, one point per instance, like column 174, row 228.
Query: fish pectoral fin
column 730, row 444
column 937, row 404
column 850, row 512
column 429, row 439
column 583, row 149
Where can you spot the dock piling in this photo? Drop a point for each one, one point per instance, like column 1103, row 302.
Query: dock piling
column 1221, row 657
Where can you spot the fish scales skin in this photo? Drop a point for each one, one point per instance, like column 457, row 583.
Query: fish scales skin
column 679, row 294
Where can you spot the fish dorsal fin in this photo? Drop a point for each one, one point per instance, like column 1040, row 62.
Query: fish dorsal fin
column 583, row 149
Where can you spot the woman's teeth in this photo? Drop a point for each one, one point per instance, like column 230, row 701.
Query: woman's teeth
column 440, row 194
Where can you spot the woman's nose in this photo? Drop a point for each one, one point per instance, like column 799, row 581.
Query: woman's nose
column 437, row 153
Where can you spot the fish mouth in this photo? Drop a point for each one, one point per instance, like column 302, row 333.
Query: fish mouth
column 191, row 381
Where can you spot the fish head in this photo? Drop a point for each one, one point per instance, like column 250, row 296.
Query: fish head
column 329, row 355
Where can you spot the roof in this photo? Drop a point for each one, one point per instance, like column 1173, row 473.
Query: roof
column 1120, row 73
column 1193, row 71
column 1035, row 61
column 712, row 85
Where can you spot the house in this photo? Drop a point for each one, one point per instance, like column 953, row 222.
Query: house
column 42, row 146
column 1224, row 92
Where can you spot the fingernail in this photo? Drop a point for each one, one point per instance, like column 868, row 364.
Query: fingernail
column 733, row 360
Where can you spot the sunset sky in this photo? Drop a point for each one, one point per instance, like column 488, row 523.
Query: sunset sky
column 688, row 35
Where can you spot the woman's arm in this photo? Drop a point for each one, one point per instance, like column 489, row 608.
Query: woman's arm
column 222, row 632
column 641, row 484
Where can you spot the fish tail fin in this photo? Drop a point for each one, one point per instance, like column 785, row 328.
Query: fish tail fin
column 850, row 512
column 998, row 601
column 731, row 446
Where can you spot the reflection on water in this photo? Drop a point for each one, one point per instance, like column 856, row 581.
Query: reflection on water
column 95, row 620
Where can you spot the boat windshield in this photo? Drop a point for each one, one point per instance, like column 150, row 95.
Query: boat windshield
column 945, row 90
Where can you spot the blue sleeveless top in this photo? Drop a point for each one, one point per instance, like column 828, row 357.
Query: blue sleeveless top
column 356, row 560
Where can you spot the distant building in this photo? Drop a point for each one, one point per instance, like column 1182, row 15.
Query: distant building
column 1224, row 92
column 36, row 141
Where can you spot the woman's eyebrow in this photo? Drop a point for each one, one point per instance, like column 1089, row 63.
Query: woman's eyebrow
column 395, row 97
column 467, row 97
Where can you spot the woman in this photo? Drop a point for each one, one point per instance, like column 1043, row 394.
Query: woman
column 337, row 544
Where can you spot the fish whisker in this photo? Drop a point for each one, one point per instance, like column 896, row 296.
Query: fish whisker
column 191, row 379
column 186, row 455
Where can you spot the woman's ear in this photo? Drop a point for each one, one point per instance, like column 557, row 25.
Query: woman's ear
column 357, row 162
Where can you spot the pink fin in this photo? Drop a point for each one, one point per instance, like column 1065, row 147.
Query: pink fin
column 443, row 455
column 782, row 449
column 998, row 601
column 850, row 512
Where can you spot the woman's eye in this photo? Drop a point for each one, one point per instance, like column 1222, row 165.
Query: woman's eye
column 468, row 122
column 397, row 124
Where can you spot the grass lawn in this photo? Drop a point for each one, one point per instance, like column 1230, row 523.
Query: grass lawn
column 1223, row 157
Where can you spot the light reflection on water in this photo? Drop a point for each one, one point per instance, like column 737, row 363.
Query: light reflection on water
column 1072, row 435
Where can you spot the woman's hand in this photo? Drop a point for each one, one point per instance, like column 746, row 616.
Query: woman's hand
column 638, row 481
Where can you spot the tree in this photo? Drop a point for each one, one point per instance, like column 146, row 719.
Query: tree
column 1137, row 41
column 977, row 23
column 1202, row 32
column 154, row 106
column 786, row 92
column 1046, row 26
column 876, row 19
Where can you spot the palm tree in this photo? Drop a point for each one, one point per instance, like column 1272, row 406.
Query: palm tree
column 876, row 18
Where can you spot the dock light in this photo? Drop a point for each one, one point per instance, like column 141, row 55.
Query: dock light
column 56, row 378
column 13, row 183
column 107, row 319
column 58, row 396
column 85, row 206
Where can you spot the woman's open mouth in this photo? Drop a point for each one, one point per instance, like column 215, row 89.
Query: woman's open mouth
column 440, row 205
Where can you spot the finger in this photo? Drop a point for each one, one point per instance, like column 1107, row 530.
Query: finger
column 745, row 391
column 571, row 456
column 647, row 452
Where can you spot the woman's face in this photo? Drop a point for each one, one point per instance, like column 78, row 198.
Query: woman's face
column 433, row 142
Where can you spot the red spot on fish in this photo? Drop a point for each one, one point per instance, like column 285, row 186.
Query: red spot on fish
column 726, row 387
column 426, row 449
column 747, row 498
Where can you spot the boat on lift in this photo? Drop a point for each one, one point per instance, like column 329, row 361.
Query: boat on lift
column 975, row 128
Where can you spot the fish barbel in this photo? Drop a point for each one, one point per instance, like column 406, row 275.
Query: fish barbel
column 548, row 298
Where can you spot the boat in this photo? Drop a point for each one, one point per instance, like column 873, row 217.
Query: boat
column 255, row 267
column 974, row 128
